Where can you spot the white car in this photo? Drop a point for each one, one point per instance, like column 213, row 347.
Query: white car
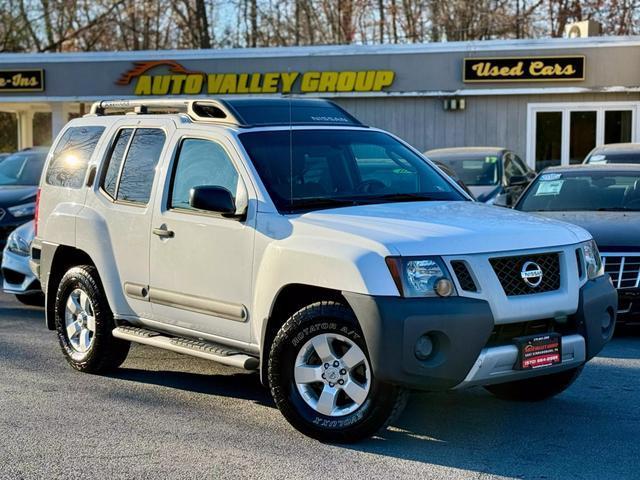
column 17, row 277
column 285, row 236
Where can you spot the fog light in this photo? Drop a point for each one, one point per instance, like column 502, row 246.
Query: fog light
column 606, row 321
column 424, row 347
column 444, row 287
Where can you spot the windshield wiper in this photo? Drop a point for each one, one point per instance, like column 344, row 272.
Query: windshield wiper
column 311, row 203
column 405, row 197
column 617, row 209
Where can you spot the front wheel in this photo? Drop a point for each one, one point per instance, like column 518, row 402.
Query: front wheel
column 537, row 388
column 321, row 378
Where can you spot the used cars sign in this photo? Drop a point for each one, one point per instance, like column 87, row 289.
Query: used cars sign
column 524, row 69
column 25, row 80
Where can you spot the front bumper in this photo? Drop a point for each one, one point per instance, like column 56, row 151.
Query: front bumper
column 17, row 277
column 461, row 329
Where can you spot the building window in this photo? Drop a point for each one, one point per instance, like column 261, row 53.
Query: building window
column 548, row 139
column 617, row 126
column 582, row 131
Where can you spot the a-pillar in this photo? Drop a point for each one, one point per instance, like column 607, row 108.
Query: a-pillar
column 25, row 129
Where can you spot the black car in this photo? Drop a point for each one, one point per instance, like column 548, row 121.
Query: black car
column 614, row 153
column 19, row 178
column 605, row 200
column 494, row 175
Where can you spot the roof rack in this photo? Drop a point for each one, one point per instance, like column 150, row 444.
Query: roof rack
column 197, row 110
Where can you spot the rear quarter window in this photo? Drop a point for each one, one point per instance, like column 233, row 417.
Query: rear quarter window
column 71, row 156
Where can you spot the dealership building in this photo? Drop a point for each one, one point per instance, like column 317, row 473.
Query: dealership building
column 551, row 101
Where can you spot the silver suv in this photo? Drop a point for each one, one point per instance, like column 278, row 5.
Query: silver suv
column 285, row 236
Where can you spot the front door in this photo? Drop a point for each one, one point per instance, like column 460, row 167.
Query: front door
column 201, row 263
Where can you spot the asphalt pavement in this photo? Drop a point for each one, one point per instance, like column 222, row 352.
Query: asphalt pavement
column 165, row 415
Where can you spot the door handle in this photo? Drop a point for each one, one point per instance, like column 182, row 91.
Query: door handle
column 163, row 232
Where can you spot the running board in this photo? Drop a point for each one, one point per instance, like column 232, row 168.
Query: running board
column 197, row 348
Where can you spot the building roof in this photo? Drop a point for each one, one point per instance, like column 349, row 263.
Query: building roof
column 477, row 46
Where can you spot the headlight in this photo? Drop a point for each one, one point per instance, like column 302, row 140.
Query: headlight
column 23, row 210
column 592, row 260
column 421, row 276
column 18, row 245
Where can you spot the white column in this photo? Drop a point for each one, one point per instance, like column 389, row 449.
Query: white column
column 25, row 129
column 59, row 115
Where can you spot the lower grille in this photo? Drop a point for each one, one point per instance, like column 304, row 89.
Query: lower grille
column 624, row 270
column 509, row 272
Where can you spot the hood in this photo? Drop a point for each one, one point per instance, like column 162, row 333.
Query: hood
column 609, row 229
column 438, row 228
column 13, row 195
column 484, row 193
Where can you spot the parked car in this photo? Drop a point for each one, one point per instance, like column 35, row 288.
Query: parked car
column 283, row 235
column 494, row 175
column 19, row 177
column 614, row 153
column 454, row 176
column 605, row 200
column 3, row 156
column 17, row 277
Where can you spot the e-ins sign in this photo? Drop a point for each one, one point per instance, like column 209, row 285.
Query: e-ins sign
column 524, row 69
column 25, row 80
column 181, row 81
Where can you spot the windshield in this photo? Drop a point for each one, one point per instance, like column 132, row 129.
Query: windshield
column 309, row 169
column 583, row 191
column 615, row 157
column 22, row 168
column 481, row 170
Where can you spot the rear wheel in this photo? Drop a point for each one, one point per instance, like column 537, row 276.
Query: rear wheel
column 321, row 379
column 84, row 323
column 537, row 388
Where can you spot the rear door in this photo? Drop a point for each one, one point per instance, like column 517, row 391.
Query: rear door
column 201, row 272
column 124, row 199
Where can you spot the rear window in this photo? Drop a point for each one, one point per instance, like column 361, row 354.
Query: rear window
column 133, row 181
column 482, row 170
column 615, row 157
column 71, row 156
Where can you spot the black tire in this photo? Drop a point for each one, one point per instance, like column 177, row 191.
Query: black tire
column 106, row 352
column 32, row 299
column 537, row 388
column 383, row 403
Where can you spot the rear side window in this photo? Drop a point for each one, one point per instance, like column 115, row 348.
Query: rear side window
column 71, row 156
column 132, row 181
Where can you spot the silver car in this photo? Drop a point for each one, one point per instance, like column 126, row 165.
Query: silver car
column 17, row 277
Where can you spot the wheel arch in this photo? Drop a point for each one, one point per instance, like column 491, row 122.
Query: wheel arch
column 289, row 299
column 64, row 258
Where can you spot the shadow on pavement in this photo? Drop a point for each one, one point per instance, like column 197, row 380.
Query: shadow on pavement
column 237, row 385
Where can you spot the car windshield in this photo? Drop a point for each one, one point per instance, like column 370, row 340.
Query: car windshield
column 583, row 191
column 474, row 170
column 22, row 168
column 614, row 157
column 312, row 169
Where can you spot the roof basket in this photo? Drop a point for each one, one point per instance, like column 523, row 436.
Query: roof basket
column 197, row 110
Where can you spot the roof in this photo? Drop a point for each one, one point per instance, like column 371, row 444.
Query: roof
column 477, row 46
column 598, row 167
column 464, row 151
column 618, row 148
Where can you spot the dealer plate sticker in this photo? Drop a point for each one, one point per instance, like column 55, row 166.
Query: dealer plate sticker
column 537, row 351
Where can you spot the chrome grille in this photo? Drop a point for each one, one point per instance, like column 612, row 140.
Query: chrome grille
column 623, row 268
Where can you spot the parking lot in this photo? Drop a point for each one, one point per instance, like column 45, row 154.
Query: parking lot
column 164, row 414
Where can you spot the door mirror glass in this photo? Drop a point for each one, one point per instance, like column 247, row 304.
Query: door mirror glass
column 212, row 199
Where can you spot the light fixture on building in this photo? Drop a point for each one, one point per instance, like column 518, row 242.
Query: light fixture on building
column 454, row 103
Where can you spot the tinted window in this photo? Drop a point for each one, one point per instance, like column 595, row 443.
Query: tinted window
column 71, row 156
column 139, row 168
column 22, row 168
column 306, row 169
column 117, row 154
column 201, row 162
column 583, row 191
column 475, row 170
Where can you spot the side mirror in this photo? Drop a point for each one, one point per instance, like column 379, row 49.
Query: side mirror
column 518, row 181
column 212, row 199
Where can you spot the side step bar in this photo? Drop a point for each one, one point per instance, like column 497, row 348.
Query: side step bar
column 197, row 348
